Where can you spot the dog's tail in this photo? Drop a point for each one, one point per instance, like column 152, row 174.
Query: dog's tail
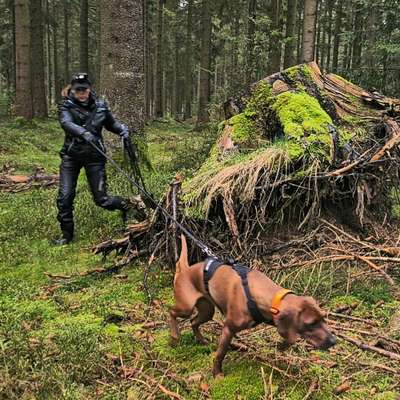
column 183, row 259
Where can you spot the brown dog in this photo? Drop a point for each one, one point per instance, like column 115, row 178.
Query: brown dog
column 293, row 315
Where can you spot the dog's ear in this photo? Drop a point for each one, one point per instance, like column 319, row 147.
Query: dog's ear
column 310, row 311
column 286, row 324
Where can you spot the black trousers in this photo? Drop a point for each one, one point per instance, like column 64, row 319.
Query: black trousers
column 96, row 175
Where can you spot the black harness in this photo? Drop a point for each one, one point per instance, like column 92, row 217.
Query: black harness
column 211, row 265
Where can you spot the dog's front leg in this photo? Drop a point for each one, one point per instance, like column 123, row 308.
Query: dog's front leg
column 224, row 342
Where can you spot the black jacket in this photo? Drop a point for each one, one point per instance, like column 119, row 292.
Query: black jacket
column 76, row 119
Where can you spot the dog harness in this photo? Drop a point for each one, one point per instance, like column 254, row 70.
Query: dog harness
column 211, row 265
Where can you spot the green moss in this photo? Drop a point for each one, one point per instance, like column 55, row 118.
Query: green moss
column 243, row 380
column 298, row 72
column 304, row 122
column 259, row 100
column 244, row 132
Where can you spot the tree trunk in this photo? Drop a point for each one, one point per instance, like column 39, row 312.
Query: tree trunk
column 188, row 61
column 310, row 14
column 299, row 49
column 57, row 75
column 336, row 35
column 122, row 60
column 159, row 101
column 291, row 18
column 251, row 29
column 38, row 60
column 84, row 37
column 23, row 92
column 275, row 48
column 67, row 76
column 328, row 51
column 358, row 29
column 48, row 56
column 205, row 61
column 148, row 58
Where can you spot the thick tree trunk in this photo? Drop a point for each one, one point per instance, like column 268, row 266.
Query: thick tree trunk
column 159, row 100
column 205, row 61
column 38, row 60
column 188, row 61
column 122, row 60
column 23, row 92
column 336, row 40
column 84, row 36
column 310, row 16
column 291, row 19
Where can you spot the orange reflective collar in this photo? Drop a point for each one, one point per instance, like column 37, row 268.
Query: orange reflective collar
column 276, row 301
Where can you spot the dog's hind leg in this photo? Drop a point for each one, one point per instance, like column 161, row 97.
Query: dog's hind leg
column 183, row 308
column 205, row 312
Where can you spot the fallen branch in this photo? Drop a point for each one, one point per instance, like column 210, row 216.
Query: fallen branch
column 364, row 346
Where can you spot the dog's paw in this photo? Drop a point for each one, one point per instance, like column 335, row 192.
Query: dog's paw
column 218, row 376
column 202, row 340
column 282, row 346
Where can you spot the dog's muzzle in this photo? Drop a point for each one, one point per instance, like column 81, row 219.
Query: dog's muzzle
column 329, row 342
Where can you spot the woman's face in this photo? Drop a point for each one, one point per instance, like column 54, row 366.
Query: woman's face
column 82, row 94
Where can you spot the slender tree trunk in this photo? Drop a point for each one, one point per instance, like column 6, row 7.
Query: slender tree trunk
column 148, row 58
column 328, row 51
column 323, row 40
column 67, row 76
column 251, row 29
column 299, row 49
column 275, row 49
column 235, row 81
column 205, row 62
column 336, row 35
column 57, row 75
column 23, row 92
column 188, row 61
column 84, row 36
column 371, row 36
column 122, row 60
column 357, row 43
column 291, row 18
column 38, row 60
column 310, row 14
column 318, row 47
column 159, row 103
column 48, row 56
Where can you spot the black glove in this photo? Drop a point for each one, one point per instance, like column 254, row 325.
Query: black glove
column 89, row 137
column 124, row 134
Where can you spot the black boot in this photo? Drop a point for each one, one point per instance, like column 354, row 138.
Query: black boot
column 65, row 239
column 133, row 208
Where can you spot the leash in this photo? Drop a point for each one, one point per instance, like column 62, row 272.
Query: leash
column 155, row 204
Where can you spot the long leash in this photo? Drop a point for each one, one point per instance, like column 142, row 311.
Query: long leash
column 155, row 204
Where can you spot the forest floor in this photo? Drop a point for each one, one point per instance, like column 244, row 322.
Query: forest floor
column 98, row 336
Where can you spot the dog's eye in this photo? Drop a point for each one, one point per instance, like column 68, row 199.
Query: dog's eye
column 312, row 326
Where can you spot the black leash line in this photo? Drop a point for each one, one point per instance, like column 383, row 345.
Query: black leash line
column 156, row 205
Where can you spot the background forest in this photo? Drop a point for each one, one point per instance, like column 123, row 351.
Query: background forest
column 196, row 54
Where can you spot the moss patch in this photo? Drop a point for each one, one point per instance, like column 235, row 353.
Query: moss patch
column 304, row 122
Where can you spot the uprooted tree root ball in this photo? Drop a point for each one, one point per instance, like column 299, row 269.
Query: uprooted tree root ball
column 300, row 146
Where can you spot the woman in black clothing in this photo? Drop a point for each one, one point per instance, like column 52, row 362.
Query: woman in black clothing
column 82, row 116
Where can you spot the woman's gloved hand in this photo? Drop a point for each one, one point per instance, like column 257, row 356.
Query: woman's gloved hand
column 89, row 137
